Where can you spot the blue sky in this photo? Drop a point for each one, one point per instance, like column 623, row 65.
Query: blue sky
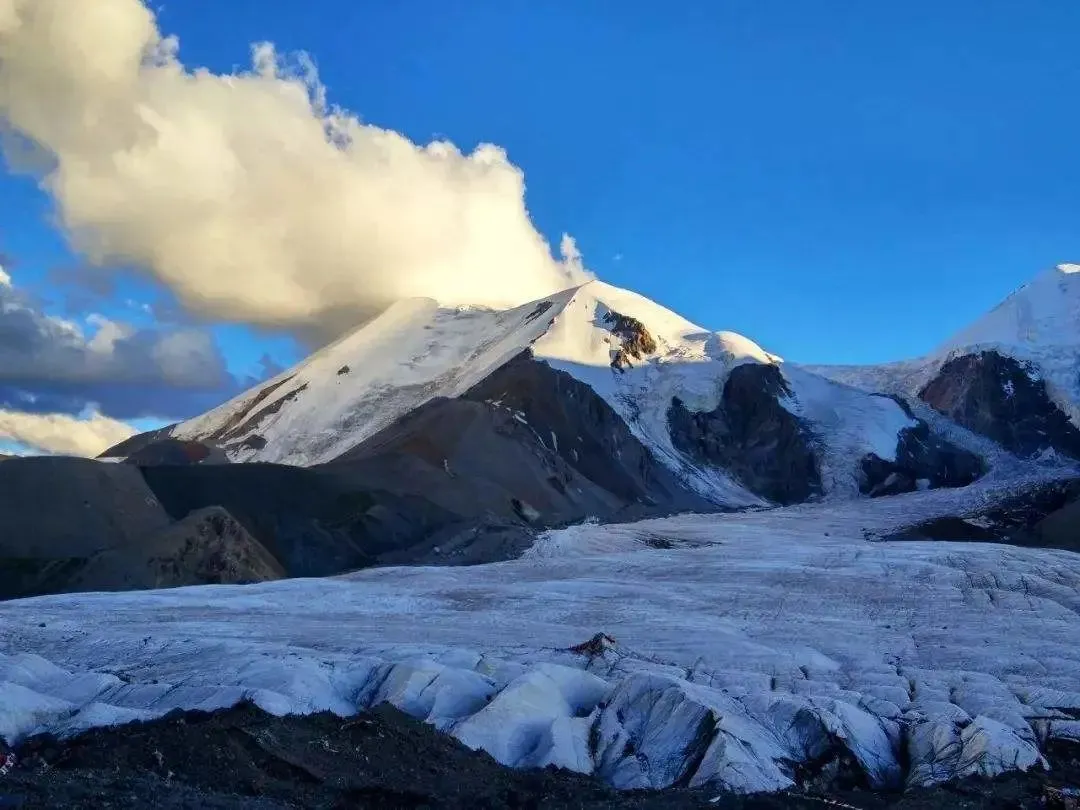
column 842, row 182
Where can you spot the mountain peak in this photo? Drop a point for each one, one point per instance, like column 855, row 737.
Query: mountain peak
column 1045, row 312
column 615, row 341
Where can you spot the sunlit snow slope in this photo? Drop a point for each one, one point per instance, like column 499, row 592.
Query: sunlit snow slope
column 1040, row 315
column 417, row 351
column 353, row 388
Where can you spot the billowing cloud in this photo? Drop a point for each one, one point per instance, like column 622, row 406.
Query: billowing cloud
column 248, row 195
column 52, row 364
column 86, row 435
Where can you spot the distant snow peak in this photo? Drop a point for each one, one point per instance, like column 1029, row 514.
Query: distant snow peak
column 1042, row 318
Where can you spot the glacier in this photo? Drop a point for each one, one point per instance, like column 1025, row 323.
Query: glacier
column 739, row 648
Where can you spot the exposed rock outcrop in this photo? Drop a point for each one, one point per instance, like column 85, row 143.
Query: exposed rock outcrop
column 635, row 340
column 252, row 442
column 752, row 435
column 951, row 529
column 381, row 759
column 999, row 397
column 315, row 522
column 923, row 460
column 571, row 420
column 455, row 481
column 73, row 524
column 386, row 758
column 478, row 458
column 1044, row 516
column 208, row 547
column 1059, row 529
column 61, row 507
column 1049, row 517
column 235, row 431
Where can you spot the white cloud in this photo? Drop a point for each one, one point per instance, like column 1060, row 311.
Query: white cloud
column 5, row 279
column 246, row 194
column 86, row 435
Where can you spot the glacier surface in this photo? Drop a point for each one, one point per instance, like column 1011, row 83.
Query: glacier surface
column 741, row 646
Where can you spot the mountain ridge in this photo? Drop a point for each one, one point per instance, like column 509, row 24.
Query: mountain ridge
column 637, row 356
column 455, row 435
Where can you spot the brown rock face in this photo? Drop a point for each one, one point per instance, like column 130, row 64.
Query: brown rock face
column 1000, row 398
column 209, row 546
column 78, row 525
column 635, row 338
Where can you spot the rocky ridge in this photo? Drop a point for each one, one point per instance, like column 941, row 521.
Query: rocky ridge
column 687, row 418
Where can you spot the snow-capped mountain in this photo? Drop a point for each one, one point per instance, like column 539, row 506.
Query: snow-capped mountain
column 748, row 651
column 684, row 414
column 1036, row 318
column 1012, row 376
column 418, row 350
